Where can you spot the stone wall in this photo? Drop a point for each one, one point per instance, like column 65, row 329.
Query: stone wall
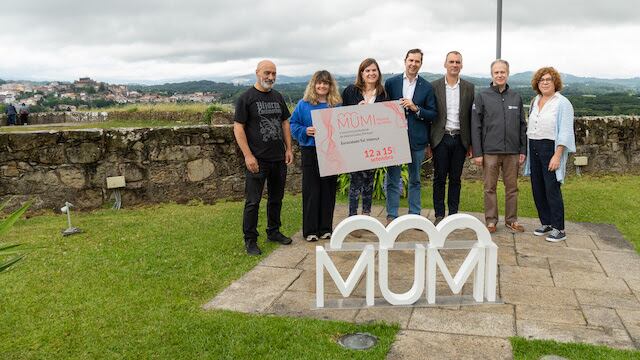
column 159, row 165
column 219, row 117
column 203, row 162
column 611, row 143
column 61, row 117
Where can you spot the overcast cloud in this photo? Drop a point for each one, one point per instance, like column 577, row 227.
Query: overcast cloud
column 124, row 41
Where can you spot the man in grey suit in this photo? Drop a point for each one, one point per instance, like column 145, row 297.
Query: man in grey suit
column 450, row 134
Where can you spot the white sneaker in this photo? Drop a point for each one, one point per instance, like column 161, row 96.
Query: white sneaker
column 312, row 238
column 325, row 236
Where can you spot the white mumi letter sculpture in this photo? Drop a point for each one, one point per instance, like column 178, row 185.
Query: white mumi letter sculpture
column 482, row 257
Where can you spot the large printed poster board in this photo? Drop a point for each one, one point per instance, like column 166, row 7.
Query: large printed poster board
column 361, row 137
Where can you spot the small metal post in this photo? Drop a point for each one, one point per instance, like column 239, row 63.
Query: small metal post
column 499, row 31
column 68, row 205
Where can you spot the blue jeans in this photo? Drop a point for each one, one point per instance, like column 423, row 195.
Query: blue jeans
column 393, row 190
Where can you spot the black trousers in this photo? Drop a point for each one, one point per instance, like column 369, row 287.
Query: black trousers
column 275, row 174
column 448, row 160
column 318, row 195
column 544, row 185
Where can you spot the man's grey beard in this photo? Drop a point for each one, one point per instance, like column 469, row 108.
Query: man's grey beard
column 266, row 85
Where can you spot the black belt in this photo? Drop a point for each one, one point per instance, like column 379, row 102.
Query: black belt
column 452, row 132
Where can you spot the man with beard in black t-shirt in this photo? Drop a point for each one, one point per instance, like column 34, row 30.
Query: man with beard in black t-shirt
column 261, row 129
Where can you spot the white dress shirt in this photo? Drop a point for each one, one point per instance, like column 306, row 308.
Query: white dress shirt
column 453, row 106
column 408, row 87
column 542, row 123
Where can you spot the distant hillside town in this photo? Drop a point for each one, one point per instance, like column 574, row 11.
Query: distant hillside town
column 88, row 93
column 589, row 96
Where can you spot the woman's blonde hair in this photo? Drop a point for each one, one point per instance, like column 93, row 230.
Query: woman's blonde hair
column 333, row 97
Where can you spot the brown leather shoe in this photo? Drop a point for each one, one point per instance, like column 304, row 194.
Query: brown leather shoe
column 515, row 227
column 491, row 227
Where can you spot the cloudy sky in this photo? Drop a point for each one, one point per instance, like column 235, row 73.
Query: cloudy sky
column 159, row 40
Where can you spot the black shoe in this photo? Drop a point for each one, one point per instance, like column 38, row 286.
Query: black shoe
column 438, row 219
column 278, row 237
column 252, row 247
column 542, row 230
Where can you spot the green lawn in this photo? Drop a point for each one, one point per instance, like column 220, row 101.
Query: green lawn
column 133, row 284
column 534, row 350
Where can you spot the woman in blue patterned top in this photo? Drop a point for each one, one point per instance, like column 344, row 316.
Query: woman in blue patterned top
column 318, row 193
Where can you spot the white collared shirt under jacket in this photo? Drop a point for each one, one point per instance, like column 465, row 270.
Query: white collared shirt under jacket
column 542, row 123
column 408, row 87
column 453, row 106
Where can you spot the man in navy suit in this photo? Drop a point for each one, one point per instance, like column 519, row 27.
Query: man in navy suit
column 417, row 98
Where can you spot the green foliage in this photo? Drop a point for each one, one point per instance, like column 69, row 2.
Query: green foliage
column 378, row 183
column 5, row 225
column 208, row 113
column 132, row 109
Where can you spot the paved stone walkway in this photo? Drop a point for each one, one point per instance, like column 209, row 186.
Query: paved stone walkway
column 585, row 289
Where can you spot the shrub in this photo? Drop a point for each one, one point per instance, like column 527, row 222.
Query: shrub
column 8, row 249
column 208, row 113
column 379, row 191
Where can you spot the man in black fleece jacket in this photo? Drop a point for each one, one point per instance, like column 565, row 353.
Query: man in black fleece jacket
column 499, row 141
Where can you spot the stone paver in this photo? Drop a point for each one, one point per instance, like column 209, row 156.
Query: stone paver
column 285, row 258
column 601, row 316
column 558, row 315
column 538, row 295
column 616, row 300
column 624, row 264
column 420, row 345
column 586, row 289
column 255, row 291
column 634, row 285
column 607, row 237
column 564, row 265
column 532, row 261
column 631, row 319
column 301, row 304
column 617, row 338
column 525, row 276
column 580, row 242
column 462, row 322
column 589, row 280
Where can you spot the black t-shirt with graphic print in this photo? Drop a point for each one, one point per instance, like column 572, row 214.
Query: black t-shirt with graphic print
column 263, row 114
